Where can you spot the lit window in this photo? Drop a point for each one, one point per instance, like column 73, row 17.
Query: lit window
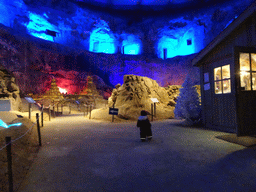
column 247, row 62
column 222, row 79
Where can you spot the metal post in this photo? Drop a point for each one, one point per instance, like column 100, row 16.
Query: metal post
column 54, row 115
column 90, row 112
column 113, row 117
column 69, row 109
column 155, row 109
column 50, row 113
column 29, row 110
column 42, row 116
column 62, row 109
column 87, row 107
column 152, row 115
column 9, row 159
column 57, row 107
column 84, row 110
column 38, row 129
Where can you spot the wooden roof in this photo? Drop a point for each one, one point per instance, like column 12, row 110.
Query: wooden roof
column 247, row 13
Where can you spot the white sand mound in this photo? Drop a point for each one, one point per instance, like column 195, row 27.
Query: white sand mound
column 8, row 116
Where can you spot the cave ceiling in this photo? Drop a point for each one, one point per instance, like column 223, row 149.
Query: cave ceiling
column 140, row 8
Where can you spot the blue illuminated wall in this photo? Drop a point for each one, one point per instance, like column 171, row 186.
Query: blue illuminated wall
column 9, row 9
column 180, row 43
column 101, row 41
column 38, row 25
column 131, row 44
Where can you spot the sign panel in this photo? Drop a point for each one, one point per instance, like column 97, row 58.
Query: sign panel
column 154, row 100
column 5, row 105
column 30, row 99
column 113, row 111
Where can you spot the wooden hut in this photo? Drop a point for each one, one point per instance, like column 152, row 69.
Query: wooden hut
column 228, row 77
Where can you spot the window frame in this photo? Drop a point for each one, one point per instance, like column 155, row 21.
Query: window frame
column 250, row 71
column 221, row 80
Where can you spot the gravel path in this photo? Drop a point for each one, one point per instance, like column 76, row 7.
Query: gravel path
column 78, row 154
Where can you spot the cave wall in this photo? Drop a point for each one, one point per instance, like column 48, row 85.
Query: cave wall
column 34, row 66
column 41, row 40
column 66, row 23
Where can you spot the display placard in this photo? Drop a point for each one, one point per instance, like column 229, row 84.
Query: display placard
column 113, row 111
column 154, row 100
column 30, row 99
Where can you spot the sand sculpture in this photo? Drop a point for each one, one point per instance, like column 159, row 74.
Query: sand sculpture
column 136, row 94
column 53, row 93
column 9, row 89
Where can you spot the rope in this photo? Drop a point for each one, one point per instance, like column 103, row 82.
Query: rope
column 21, row 135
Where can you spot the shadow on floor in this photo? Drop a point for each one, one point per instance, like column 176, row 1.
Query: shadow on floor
column 246, row 141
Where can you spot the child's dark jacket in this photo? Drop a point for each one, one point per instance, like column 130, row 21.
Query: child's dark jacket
column 143, row 122
column 145, row 127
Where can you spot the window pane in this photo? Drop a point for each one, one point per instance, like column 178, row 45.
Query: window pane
column 245, row 79
column 226, row 72
column 226, row 86
column 218, row 87
column 207, row 86
column 217, row 73
column 206, row 77
column 244, row 62
column 253, row 57
column 253, row 81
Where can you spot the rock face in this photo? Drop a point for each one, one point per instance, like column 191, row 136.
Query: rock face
column 9, row 89
column 135, row 95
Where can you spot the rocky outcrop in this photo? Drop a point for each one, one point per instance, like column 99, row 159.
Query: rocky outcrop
column 135, row 95
column 9, row 89
column 173, row 92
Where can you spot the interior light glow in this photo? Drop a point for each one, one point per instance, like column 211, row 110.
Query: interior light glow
column 63, row 91
column 4, row 125
column 244, row 73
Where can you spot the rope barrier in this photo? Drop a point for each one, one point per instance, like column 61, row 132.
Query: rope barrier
column 21, row 135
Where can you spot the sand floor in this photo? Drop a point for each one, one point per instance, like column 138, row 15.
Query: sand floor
column 79, row 154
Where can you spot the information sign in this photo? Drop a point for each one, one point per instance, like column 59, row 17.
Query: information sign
column 154, row 100
column 113, row 111
column 30, row 99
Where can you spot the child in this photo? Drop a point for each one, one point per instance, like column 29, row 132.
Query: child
column 145, row 126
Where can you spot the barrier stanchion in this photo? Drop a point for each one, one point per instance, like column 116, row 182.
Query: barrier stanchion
column 38, row 129
column 57, row 107
column 84, row 110
column 152, row 115
column 113, row 117
column 42, row 116
column 90, row 112
column 54, row 115
column 9, row 160
column 29, row 110
column 69, row 109
column 155, row 109
column 50, row 113
column 62, row 109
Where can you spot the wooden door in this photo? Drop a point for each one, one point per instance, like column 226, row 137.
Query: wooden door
column 246, row 93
